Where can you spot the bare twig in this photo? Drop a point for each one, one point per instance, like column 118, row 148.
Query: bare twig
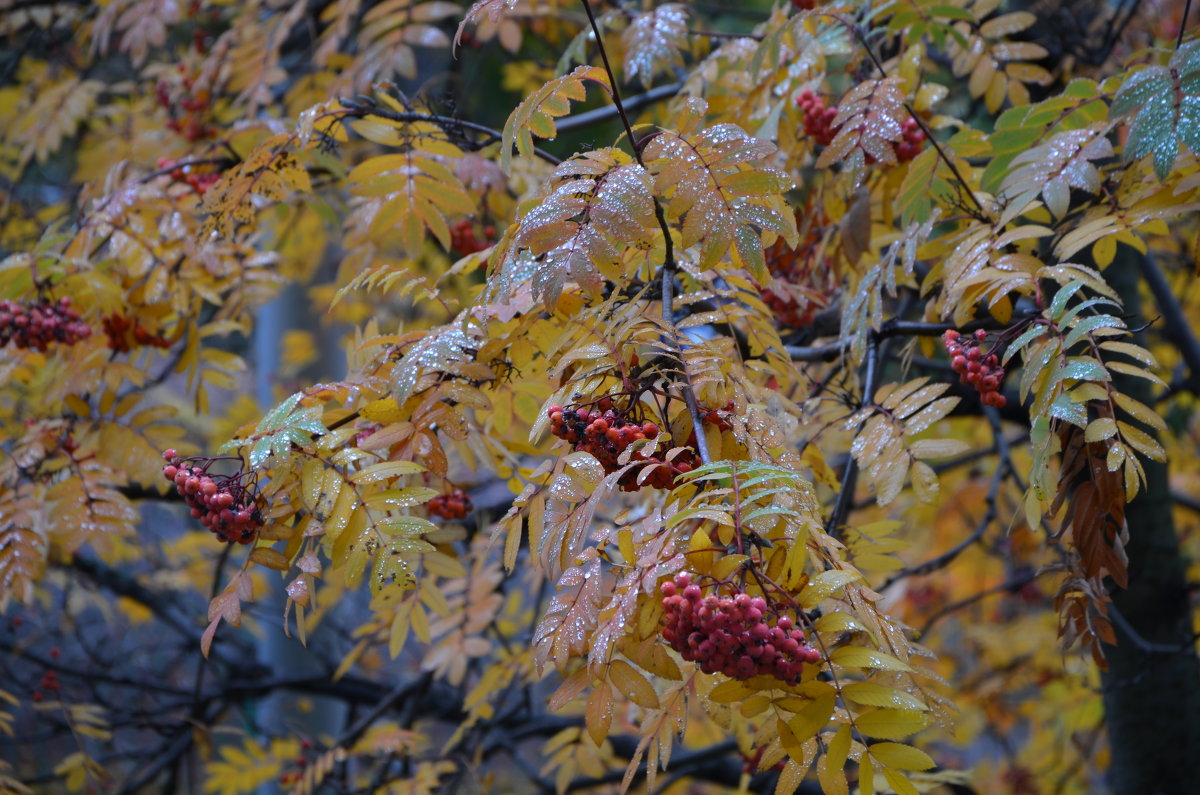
column 1003, row 467
column 669, row 265
column 447, row 123
column 656, row 94
column 1177, row 328
column 850, row 474
column 1011, row 585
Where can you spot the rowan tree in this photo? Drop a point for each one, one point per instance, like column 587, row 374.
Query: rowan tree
column 677, row 396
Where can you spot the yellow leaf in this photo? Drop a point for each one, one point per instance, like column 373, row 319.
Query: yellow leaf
column 598, row 714
column 272, row 559
column 866, row 776
column 901, row 757
column 899, row 782
column 839, row 749
column 858, row 657
column 891, row 724
column 872, row 694
column 813, row 717
column 826, row 584
column 729, row 691
column 383, row 411
column 635, row 686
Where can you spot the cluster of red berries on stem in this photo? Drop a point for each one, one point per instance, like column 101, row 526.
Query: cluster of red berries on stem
column 805, row 281
column 818, row 118
column 125, row 334
column 464, row 240
column 189, row 106
column 718, row 417
column 605, row 433
column 818, row 125
column 198, row 181
column 974, row 367
column 455, row 505
column 913, row 141
column 39, row 324
column 731, row 634
column 222, row 503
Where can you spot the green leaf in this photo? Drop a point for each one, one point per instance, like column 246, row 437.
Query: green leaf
column 1064, row 408
column 1082, row 368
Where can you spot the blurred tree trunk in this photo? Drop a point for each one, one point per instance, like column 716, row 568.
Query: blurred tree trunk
column 1152, row 686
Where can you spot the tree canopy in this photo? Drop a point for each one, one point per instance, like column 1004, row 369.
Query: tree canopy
column 586, row 395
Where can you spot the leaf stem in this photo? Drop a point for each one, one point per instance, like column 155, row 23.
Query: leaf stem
column 862, row 40
column 669, row 265
column 612, row 79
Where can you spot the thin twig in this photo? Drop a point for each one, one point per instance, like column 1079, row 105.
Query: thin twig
column 1187, row 6
column 850, row 475
column 862, row 40
column 447, row 123
column 612, row 79
column 656, row 94
column 669, row 265
column 1011, row 585
column 1003, row 467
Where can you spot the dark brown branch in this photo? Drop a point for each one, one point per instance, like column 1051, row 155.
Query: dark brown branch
column 1003, row 467
column 1176, row 326
column 845, row 498
column 361, row 107
column 123, row 585
column 889, row 328
column 669, row 265
column 1013, row 585
column 630, row 104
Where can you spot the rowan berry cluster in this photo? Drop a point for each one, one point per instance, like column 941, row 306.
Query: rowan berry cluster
column 464, row 240
column 39, row 324
column 718, row 417
column 606, row 433
column 818, row 125
column 805, row 280
column 818, row 119
column 787, row 308
column 222, row 503
column 455, row 505
column 974, row 367
column 730, row 634
column 125, row 334
column 804, row 5
column 188, row 103
column 913, row 141
column 196, row 180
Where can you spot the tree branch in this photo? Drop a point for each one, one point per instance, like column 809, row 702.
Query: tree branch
column 1012, row 585
column 1176, row 326
column 1003, row 467
column 608, row 112
column 669, row 265
column 361, row 107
